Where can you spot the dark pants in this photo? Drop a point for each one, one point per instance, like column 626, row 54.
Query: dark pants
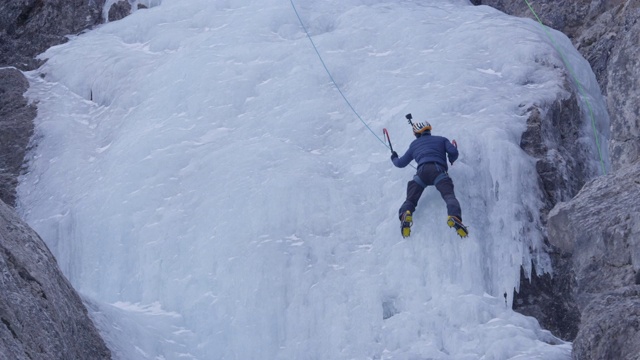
column 431, row 174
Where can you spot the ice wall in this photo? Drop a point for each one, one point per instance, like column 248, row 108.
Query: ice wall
column 205, row 187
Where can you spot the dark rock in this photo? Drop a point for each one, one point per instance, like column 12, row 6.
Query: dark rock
column 41, row 316
column 611, row 327
column 16, row 128
column 567, row 16
column 623, row 89
column 552, row 137
column 119, row 10
column 600, row 231
column 29, row 27
column 549, row 299
column 600, row 228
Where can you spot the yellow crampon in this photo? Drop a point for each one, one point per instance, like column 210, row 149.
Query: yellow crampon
column 455, row 223
column 406, row 222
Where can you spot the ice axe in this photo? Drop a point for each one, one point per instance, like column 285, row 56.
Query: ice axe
column 386, row 135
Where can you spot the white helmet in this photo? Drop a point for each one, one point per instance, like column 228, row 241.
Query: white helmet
column 421, row 127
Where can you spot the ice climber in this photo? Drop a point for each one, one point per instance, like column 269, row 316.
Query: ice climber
column 430, row 153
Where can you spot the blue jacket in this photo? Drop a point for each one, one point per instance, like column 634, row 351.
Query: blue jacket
column 428, row 148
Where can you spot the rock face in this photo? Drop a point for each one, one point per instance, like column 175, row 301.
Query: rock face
column 611, row 327
column 28, row 27
column 119, row 10
column 41, row 316
column 552, row 137
column 16, row 124
column 593, row 239
column 600, row 230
